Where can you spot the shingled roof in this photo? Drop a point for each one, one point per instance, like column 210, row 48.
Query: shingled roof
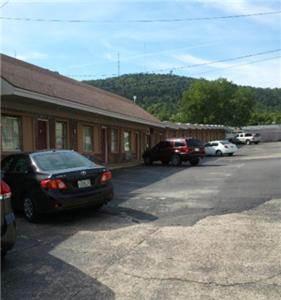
column 35, row 79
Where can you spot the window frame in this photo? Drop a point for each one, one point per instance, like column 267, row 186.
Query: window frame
column 116, row 144
column 65, row 133
column 20, row 132
column 129, row 140
column 92, row 138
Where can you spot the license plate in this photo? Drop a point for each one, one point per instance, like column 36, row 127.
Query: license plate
column 197, row 149
column 84, row 183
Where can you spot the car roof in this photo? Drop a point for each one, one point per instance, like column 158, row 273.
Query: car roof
column 50, row 151
column 179, row 139
column 39, row 151
column 219, row 141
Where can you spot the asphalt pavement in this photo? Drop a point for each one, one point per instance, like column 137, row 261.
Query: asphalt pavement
column 206, row 232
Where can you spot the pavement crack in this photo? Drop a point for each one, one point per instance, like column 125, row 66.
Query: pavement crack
column 212, row 283
column 131, row 250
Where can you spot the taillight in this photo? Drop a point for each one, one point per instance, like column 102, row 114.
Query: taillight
column 5, row 191
column 106, row 176
column 53, row 184
column 225, row 146
column 184, row 149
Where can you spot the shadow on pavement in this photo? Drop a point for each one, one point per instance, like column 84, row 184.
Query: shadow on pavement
column 29, row 271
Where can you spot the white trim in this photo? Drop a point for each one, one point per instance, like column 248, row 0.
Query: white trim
column 105, row 143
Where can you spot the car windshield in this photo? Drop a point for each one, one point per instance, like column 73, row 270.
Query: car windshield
column 51, row 161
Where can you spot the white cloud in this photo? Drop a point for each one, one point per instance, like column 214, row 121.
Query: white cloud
column 193, row 60
column 34, row 55
column 239, row 6
column 110, row 56
column 233, row 7
column 261, row 74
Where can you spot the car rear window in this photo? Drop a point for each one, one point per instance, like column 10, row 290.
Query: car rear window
column 194, row 143
column 53, row 161
column 180, row 144
column 225, row 142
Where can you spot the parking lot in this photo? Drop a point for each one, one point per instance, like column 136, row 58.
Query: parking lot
column 205, row 232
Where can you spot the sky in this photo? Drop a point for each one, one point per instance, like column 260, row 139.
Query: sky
column 111, row 38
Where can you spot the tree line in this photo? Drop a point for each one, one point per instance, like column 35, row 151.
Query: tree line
column 184, row 99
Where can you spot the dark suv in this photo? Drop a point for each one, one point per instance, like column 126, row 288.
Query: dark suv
column 175, row 151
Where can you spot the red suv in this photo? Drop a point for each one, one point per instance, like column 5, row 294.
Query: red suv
column 175, row 151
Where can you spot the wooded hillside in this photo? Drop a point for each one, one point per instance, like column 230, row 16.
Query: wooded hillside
column 161, row 95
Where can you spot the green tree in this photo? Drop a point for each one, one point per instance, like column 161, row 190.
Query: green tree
column 216, row 102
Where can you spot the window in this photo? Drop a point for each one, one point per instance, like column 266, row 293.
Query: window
column 127, row 141
column 21, row 165
column 180, row 144
column 61, row 160
column 87, row 139
column 194, row 143
column 10, row 133
column 114, row 140
column 61, row 135
column 7, row 163
column 163, row 145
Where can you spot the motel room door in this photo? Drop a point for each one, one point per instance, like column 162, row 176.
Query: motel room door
column 104, row 145
column 42, row 134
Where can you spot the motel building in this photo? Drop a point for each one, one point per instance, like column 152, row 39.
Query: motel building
column 41, row 109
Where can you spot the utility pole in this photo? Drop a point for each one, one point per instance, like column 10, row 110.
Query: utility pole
column 118, row 64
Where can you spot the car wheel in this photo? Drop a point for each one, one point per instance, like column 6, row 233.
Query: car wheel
column 230, row 154
column 194, row 162
column 248, row 142
column 176, row 160
column 147, row 161
column 165, row 162
column 218, row 153
column 29, row 209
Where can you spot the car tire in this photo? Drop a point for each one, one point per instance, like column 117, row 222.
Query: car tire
column 248, row 142
column 147, row 161
column 165, row 162
column 176, row 160
column 218, row 153
column 194, row 162
column 256, row 143
column 29, row 209
column 230, row 154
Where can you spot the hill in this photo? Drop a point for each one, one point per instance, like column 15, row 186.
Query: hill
column 160, row 94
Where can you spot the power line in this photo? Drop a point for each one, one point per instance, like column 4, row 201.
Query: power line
column 140, row 20
column 5, row 3
column 193, row 65
column 239, row 65
column 218, row 61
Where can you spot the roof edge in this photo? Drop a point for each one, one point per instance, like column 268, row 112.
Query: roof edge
column 53, row 100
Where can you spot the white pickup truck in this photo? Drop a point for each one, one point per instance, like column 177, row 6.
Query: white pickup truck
column 248, row 138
